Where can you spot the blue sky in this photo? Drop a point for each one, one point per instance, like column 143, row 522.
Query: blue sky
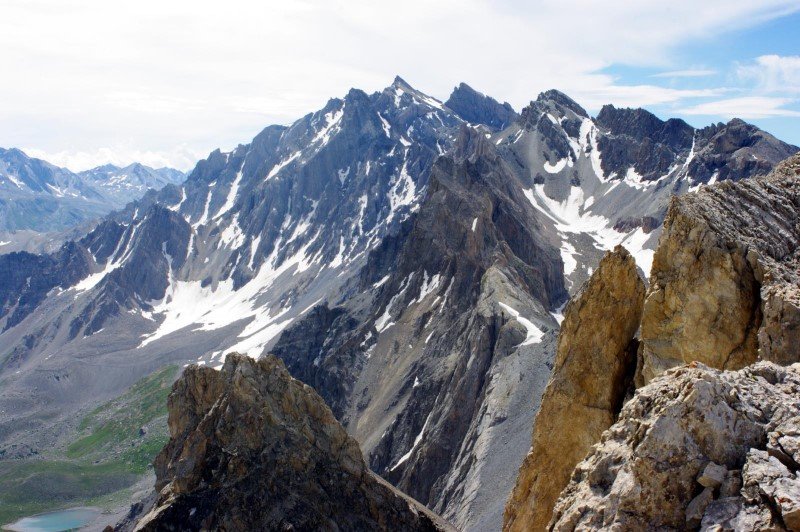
column 87, row 82
column 729, row 62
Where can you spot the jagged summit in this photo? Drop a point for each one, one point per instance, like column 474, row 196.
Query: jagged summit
column 400, row 83
column 252, row 448
column 477, row 108
column 562, row 100
column 641, row 124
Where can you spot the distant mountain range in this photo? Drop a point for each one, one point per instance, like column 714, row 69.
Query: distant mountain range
column 408, row 258
column 36, row 195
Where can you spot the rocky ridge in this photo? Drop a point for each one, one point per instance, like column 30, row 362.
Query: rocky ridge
column 724, row 285
column 722, row 292
column 591, row 376
column 251, row 448
column 39, row 196
column 697, row 448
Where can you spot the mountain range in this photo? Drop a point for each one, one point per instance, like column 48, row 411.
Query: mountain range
column 408, row 258
column 36, row 195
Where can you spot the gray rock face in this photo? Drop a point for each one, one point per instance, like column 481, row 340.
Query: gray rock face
column 647, row 471
column 638, row 139
column 450, row 282
column 28, row 278
column 251, row 448
column 734, row 151
column 478, row 108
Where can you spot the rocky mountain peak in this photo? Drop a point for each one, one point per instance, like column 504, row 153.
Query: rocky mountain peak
column 734, row 150
column 477, row 108
column 555, row 107
column 562, row 100
column 250, row 432
column 400, row 83
column 640, row 124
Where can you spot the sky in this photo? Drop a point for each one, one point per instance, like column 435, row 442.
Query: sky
column 88, row 82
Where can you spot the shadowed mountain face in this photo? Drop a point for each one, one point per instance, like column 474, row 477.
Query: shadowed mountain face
column 36, row 195
column 478, row 108
column 407, row 258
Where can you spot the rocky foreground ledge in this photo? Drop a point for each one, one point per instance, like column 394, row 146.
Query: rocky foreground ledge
column 251, row 448
column 697, row 447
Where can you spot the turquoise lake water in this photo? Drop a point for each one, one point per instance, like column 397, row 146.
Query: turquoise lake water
column 73, row 518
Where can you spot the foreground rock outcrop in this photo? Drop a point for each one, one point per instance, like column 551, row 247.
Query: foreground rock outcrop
column 697, row 447
column 252, row 448
column 594, row 365
column 725, row 284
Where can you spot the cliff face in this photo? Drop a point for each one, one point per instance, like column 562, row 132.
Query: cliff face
column 252, row 448
column 724, row 285
column 696, row 447
column 594, row 361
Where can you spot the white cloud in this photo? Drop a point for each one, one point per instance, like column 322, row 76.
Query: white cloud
column 773, row 73
column 638, row 95
column 91, row 75
column 697, row 73
column 746, row 107
column 120, row 155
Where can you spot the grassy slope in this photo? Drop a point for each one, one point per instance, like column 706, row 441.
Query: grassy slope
column 109, row 454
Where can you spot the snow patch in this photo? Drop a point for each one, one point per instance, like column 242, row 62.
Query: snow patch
column 555, row 168
column 568, row 253
column 634, row 243
column 281, row 165
column 234, row 190
column 343, row 175
column 416, row 442
column 535, row 334
column 332, row 120
column 189, row 304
